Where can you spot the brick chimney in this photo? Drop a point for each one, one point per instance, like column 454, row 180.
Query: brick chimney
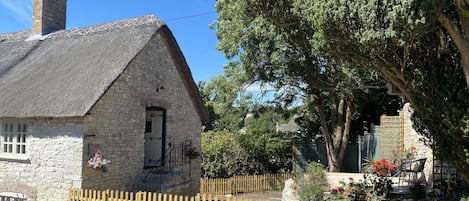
column 48, row 16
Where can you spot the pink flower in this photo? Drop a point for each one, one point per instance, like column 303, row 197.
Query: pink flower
column 341, row 190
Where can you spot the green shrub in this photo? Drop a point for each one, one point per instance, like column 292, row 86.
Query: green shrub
column 464, row 198
column 312, row 185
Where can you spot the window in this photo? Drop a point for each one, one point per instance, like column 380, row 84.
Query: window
column 13, row 138
column 13, row 196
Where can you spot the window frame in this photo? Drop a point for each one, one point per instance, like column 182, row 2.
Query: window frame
column 18, row 139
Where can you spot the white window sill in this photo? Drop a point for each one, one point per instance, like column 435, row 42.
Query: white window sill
column 20, row 196
column 14, row 157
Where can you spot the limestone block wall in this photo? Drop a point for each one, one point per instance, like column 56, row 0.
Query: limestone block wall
column 54, row 164
column 117, row 121
column 412, row 138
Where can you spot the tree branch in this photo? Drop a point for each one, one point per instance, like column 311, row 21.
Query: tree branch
column 460, row 40
column 324, row 128
column 397, row 82
column 453, row 30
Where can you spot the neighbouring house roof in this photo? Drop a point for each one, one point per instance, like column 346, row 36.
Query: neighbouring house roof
column 291, row 126
column 65, row 74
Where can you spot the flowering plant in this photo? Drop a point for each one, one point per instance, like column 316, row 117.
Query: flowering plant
column 98, row 161
column 342, row 191
column 411, row 152
column 383, row 167
column 192, row 153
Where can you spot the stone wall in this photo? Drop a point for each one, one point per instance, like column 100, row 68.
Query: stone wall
column 117, row 121
column 54, row 164
column 412, row 138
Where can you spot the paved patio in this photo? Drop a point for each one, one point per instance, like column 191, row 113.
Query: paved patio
column 334, row 179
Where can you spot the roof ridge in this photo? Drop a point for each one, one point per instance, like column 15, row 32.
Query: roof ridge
column 15, row 36
column 120, row 24
column 103, row 27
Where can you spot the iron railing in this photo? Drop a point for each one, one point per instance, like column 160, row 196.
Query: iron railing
column 173, row 168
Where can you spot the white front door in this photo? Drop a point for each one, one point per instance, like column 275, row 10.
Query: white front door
column 154, row 138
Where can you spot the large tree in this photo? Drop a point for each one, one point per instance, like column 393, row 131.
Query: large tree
column 307, row 44
column 268, row 42
column 406, row 43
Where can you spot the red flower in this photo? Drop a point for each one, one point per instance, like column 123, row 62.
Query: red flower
column 382, row 167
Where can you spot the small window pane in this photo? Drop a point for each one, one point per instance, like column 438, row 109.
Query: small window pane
column 148, row 127
column 13, row 138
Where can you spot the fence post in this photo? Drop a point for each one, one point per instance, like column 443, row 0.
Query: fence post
column 202, row 185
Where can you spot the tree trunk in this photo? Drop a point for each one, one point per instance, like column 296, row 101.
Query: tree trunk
column 346, row 132
column 337, row 141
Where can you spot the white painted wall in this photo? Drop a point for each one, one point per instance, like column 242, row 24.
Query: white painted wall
column 54, row 164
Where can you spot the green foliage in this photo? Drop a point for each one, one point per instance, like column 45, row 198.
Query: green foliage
column 227, row 102
column 464, row 198
column 442, row 103
column 255, row 151
column 325, row 49
column 240, row 138
column 373, row 187
column 362, row 25
column 311, row 187
column 367, row 166
column 402, row 41
column 222, row 156
column 270, row 43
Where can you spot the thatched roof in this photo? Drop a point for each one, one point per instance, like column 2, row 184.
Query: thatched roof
column 65, row 74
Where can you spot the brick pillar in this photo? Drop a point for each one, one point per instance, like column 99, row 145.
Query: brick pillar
column 48, row 16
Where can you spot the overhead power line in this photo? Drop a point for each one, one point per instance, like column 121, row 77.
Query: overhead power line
column 189, row 16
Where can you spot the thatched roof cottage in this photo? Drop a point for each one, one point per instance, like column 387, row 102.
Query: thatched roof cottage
column 121, row 91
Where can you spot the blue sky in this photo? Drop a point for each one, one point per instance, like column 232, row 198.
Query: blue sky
column 188, row 20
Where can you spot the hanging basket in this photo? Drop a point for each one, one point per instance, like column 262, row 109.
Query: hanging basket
column 98, row 162
column 192, row 153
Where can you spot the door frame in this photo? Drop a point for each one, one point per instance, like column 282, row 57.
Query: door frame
column 163, row 132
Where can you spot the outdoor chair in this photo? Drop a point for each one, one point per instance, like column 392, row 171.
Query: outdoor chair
column 411, row 169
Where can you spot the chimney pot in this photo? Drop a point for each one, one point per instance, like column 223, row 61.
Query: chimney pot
column 48, row 16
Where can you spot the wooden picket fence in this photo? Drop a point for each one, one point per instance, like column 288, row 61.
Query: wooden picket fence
column 109, row 195
column 245, row 184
